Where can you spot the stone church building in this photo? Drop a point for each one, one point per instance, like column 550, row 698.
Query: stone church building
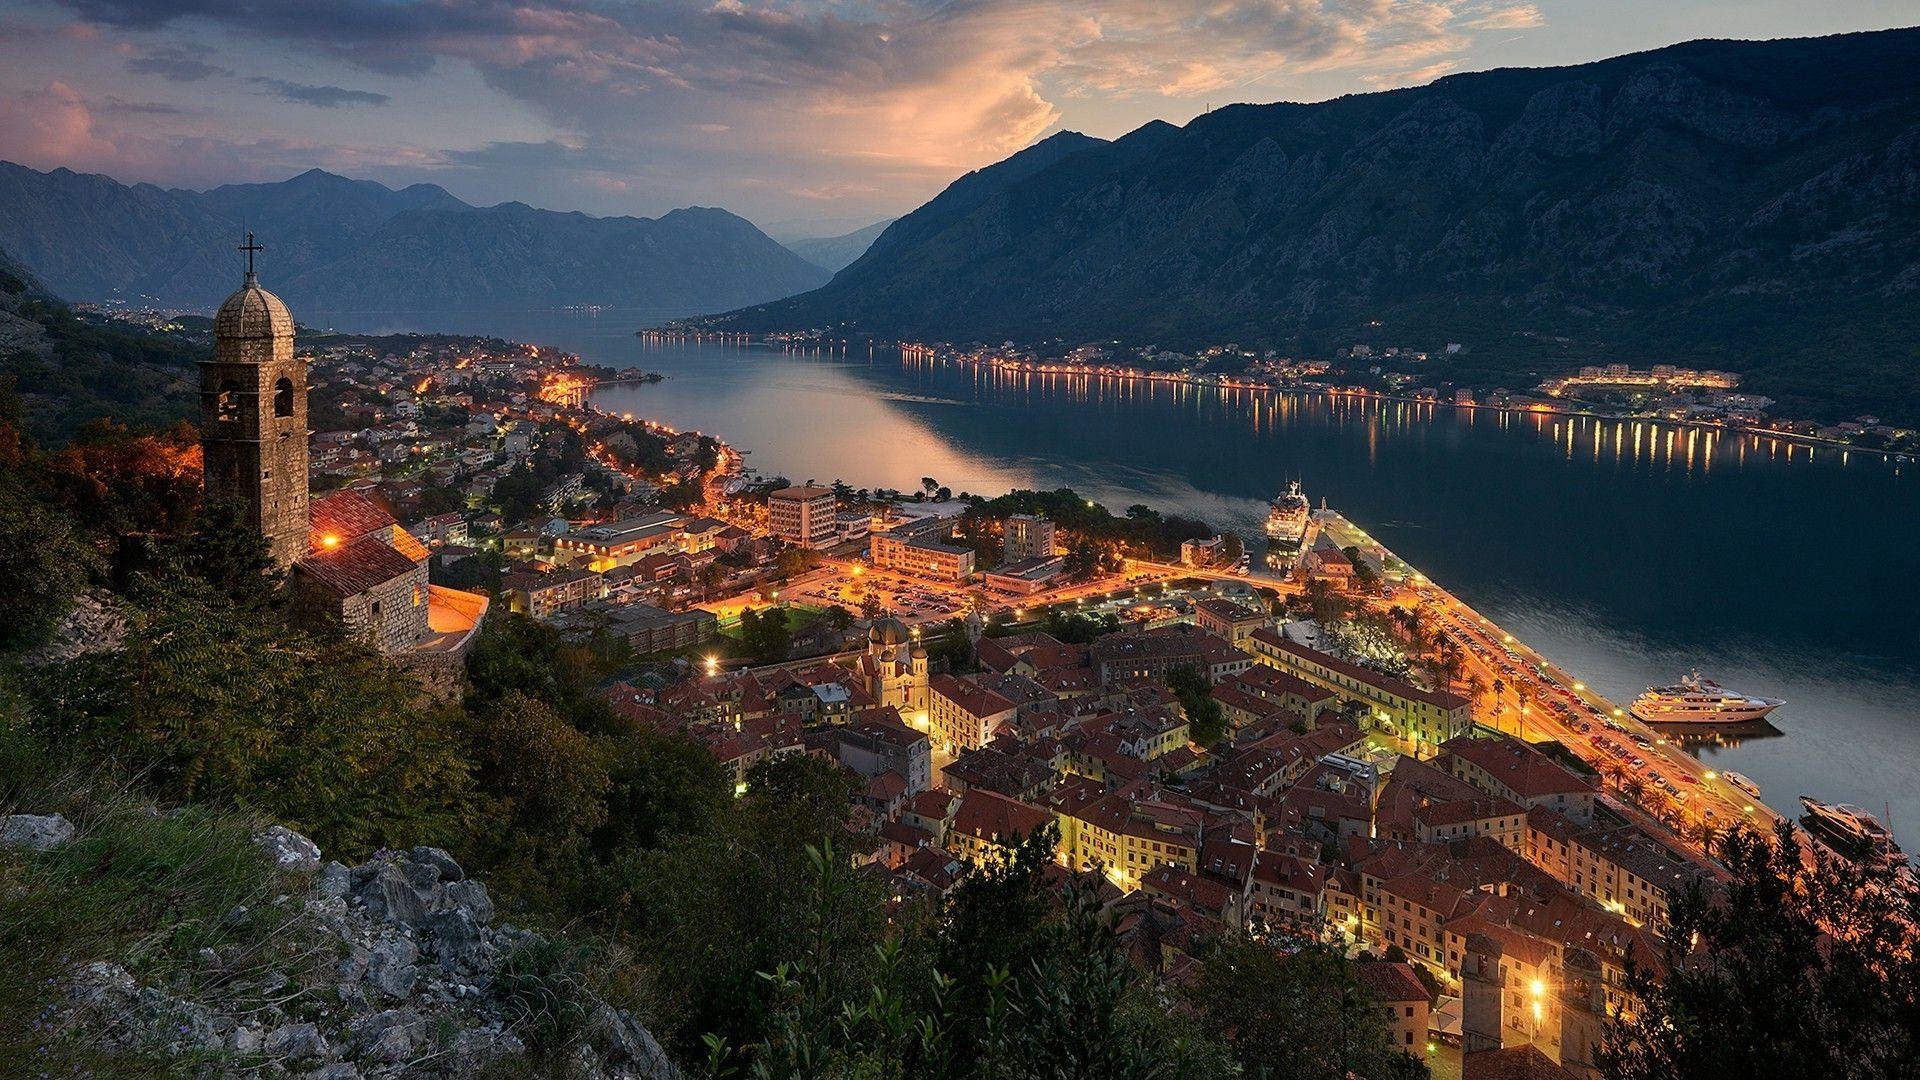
column 347, row 558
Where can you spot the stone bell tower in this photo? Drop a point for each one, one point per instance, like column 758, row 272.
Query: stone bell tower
column 253, row 417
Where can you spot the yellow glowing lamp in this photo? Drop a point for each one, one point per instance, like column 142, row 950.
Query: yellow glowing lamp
column 330, row 540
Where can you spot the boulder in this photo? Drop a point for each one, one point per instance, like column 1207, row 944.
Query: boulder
column 439, row 860
column 628, row 1042
column 390, row 966
column 288, row 849
column 292, row 1042
column 390, row 1037
column 334, row 883
column 390, row 894
column 469, row 897
column 459, row 944
column 35, row 832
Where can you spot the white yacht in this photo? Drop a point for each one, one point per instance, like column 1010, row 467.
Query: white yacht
column 1287, row 516
column 1700, row 701
column 1857, row 831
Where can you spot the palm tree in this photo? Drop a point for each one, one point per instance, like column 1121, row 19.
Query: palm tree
column 1499, row 703
column 1525, row 693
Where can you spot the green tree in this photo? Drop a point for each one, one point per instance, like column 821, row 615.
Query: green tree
column 1806, row 965
column 718, row 907
column 1206, row 721
column 1010, row 977
column 764, row 634
column 43, row 560
column 213, row 703
column 232, row 557
column 544, row 784
column 1293, row 1011
column 839, row 618
column 794, row 561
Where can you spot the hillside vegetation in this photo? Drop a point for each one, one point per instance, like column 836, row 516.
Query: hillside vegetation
column 71, row 370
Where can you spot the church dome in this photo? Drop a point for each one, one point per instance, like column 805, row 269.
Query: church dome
column 253, row 312
column 888, row 631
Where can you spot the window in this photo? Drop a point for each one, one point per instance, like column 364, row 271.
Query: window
column 283, row 398
column 226, row 406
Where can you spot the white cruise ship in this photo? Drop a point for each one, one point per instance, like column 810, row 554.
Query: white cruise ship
column 1287, row 516
column 1700, row 701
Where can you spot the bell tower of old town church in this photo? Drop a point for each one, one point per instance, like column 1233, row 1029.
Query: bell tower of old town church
column 253, row 417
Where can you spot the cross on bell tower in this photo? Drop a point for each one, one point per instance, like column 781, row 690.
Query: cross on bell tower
column 250, row 247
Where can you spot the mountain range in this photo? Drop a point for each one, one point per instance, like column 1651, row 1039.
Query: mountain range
column 1752, row 206
column 834, row 253
column 339, row 244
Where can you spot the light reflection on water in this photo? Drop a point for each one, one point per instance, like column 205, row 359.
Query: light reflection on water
column 1627, row 551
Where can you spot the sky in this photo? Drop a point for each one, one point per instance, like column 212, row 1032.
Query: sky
column 814, row 116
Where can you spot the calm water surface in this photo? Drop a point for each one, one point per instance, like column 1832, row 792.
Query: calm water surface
column 1627, row 553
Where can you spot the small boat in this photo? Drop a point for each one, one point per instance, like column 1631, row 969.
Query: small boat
column 1695, row 700
column 1742, row 783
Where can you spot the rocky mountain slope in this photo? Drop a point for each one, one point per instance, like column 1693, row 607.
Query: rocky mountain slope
column 1746, row 205
column 394, row 967
column 335, row 243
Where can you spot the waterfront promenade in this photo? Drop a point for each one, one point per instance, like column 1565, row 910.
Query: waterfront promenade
column 1556, row 705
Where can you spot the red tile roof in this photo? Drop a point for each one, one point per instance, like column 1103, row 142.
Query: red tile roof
column 991, row 816
column 345, row 516
column 355, row 567
column 1391, row 982
column 1528, row 772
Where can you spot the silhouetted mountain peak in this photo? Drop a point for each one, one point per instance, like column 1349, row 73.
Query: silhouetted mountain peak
column 336, row 242
column 1726, row 204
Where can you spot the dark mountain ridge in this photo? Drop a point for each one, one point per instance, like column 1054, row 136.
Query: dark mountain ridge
column 1745, row 205
column 337, row 243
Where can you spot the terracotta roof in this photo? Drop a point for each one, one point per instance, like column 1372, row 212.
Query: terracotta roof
column 1525, row 770
column 991, row 816
column 346, row 516
column 353, row 568
column 1391, row 982
column 969, row 697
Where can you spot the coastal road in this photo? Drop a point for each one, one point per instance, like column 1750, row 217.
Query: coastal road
column 1605, row 735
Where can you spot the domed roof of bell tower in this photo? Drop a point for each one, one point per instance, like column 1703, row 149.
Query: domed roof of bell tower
column 252, row 312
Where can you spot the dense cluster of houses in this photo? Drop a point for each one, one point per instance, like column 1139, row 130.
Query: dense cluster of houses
column 1453, row 854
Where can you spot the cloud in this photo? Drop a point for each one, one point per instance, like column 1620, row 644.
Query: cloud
column 1507, row 17
column 111, row 104
column 175, row 68
column 325, row 97
column 869, row 98
column 52, row 126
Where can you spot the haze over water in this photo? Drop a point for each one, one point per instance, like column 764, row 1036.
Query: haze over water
column 1628, row 553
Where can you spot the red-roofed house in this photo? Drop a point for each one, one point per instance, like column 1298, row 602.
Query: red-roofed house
column 986, row 825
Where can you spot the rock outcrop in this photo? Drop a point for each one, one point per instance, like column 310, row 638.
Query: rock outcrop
column 35, row 832
column 404, row 974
